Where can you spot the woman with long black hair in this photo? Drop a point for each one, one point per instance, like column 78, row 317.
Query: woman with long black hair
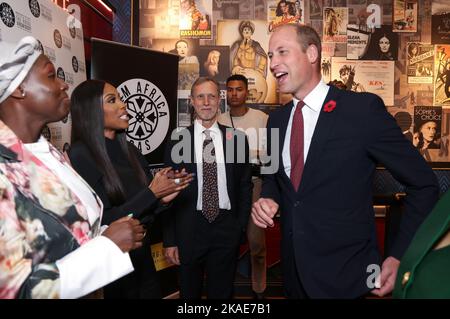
column 114, row 169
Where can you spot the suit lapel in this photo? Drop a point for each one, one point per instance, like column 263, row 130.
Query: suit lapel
column 322, row 131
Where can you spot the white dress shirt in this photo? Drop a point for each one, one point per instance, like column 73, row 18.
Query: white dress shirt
column 311, row 111
column 216, row 135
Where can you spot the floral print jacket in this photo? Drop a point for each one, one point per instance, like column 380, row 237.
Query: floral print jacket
column 41, row 221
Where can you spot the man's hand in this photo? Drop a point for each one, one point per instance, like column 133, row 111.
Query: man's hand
column 388, row 275
column 263, row 211
column 171, row 254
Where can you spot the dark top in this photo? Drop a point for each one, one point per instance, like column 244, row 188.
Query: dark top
column 139, row 199
column 143, row 282
column 329, row 222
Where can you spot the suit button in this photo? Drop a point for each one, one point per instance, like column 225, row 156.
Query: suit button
column 406, row 277
column 296, row 204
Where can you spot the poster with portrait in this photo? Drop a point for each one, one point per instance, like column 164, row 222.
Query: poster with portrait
column 215, row 62
column 285, row 11
column 440, row 22
column 420, row 62
column 188, row 64
column 405, row 15
column 366, row 76
column 442, row 75
column 195, row 19
column 335, row 20
column 248, row 42
column 441, row 156
column 427, row 130
column 358, row 40
column 383, row 44
column 158, row 20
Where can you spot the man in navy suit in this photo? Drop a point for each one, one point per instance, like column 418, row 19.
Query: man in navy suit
column 330, row 141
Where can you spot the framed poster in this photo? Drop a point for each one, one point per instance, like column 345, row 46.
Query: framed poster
column 405, row 15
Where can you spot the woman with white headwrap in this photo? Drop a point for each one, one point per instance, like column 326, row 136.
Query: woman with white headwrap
column 50, row 243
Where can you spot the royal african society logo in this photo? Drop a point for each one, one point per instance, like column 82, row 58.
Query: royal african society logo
column 148, row 114
column 7, row 14
column 34, row 8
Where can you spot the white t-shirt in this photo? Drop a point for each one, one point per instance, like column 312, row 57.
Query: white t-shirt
column 253, row 124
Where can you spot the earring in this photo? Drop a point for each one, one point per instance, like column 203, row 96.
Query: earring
column 23, row 93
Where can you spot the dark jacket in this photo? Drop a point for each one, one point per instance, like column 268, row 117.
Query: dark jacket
column 330, row 221
column 140, row 201
column 179, row 220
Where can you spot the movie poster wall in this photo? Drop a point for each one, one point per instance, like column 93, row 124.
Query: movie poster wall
column 61, row 38
column 397, row 49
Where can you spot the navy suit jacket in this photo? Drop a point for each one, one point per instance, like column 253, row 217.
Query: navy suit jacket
column 330, row 221
column 179, row 219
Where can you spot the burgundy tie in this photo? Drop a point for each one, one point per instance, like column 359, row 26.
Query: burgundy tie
column 296, row 146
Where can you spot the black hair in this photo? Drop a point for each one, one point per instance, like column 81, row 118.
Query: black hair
column 88, row 128
column 238, row 77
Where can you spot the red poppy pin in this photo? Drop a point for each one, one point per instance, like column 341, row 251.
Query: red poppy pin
column 229, row 135
column 329, row 106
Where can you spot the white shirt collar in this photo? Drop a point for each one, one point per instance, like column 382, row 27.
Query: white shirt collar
column 316, row 97
column 199, row 128
column 41, row 146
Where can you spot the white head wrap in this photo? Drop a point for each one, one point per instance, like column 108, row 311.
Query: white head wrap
column 16, row 60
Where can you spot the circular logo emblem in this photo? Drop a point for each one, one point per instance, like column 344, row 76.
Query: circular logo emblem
column 60, row 74
column 7, row 14
column 148, row 114
column 75, row 64
column 58, row 38
column 34, row 8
